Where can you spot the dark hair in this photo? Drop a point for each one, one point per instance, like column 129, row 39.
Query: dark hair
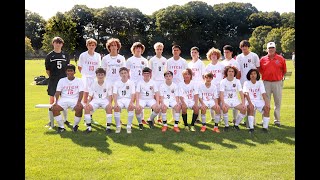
column 168, row 72
column 176, row 46
column 100, row 70
column 228, row 47
column 146, row 69
column 123, row 69
column 227, row 68
column 209, row 74
column 244, row 43
column 71, row 66
column 189, row 71
column 250, row 71
column 57, row 40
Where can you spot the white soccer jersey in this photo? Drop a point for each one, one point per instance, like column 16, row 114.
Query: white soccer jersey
column 147, row 90
column 169, row 92
column 70, row 89
column 187, row 91
column 112, row 64
column 89, row 63
column 208, row 93
column 231, row 62
column 217, row 71
column 198, row 70
column 98, row 91
column 136, row 66
column 255, row 90
column 250, row 61
column 230, row 88
column 176, row 67
column 124, row 90
column 158, row 67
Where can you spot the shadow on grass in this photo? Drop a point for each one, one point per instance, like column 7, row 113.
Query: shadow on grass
column 173, row 141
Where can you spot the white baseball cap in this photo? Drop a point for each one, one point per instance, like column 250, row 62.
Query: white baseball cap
column 271, row 44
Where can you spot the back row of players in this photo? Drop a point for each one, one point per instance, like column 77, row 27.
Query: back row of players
column 160, row 84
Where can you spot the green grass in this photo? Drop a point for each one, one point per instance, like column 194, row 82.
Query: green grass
column 151, row 154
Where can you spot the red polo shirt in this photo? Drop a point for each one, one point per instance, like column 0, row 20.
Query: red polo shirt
column 272, row 69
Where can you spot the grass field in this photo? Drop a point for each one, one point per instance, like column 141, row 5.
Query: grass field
column 151, row 154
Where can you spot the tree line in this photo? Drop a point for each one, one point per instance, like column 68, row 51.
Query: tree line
column 193, row 24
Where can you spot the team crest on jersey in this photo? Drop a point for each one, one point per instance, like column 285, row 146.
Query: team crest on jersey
column 127, row 87
column 118, row 60
column 172, row 91
column 234, row 85
column 163, row 63
column 249, row 60
column 104, row 90
column 142, row 62
column 63, row 56
column 151, row 88
column 277, row 61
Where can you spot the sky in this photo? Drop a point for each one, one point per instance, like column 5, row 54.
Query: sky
column 48, row 8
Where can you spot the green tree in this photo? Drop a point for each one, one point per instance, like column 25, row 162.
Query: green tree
column 288, row 20
column 265, row 19
column 288, row 41
column 275, row 35
column 257, row 40
column 28, row 49
column 63, row 26
column 34, row 28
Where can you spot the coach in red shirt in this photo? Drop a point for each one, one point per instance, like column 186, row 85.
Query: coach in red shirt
column 272, row 69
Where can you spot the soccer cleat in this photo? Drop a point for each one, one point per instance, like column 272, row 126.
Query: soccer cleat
column 140, row 127
column 144, row 122
column 88, row 130
column 159, row 121
column 108, row 130
column 118, row 129
column 265, row 130
column 203, row 128
column 236, row 127
column 186, row 128
column 164, row 128
column 192, row 129
column 226, row 128
column 176, row 129
column 48, row 125
column 75, row 128
column 60, row 130
column 198, row 121
column 151, row 125
column 129, row 131
column 67, row 123
column 216, row 129
column 251, row 131
column 277, row 123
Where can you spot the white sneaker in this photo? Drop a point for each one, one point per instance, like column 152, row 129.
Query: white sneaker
column 129, row 130
column 118, row 129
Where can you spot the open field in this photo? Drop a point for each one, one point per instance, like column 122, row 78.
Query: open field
column 151, row 154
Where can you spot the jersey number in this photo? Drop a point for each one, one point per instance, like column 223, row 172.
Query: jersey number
column 159, row 68
column 245, row 65
column 59, row 64
column 168, row 96
column 113, row 71
column 123, row 93
column 147, row 93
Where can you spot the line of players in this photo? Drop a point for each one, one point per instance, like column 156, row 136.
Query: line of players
column 160, row 84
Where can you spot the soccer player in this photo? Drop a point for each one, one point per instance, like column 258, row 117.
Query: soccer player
column 70, row 91
column 176, row 64
column 100, row 93
column 189, row 98
column 124, row 96
column 229, row 89
column 147, row 95
column 169, row 97
column 217, row 70
column 88, row 63
column 208, row 97
column 158, row 65
column 135, row 64
column 55, row 63
column 256, row 99
column 113, row 61
column 229, row 61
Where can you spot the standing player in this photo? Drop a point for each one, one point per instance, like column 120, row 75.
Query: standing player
column 147, row 95
column 113, row 61
column 216, row 68
column 229, row 87
column 123, row 96
column 70, row 90
column 169, row 97
column 176, row 64
column 229, row 61
column 189, row 98
column 100, row 93
column 135, row 64
column 208, row 97
column 55, row 64
column 158, row 65
column 256, row 96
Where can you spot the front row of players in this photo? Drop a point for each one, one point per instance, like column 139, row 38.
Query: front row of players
column 186, row 95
